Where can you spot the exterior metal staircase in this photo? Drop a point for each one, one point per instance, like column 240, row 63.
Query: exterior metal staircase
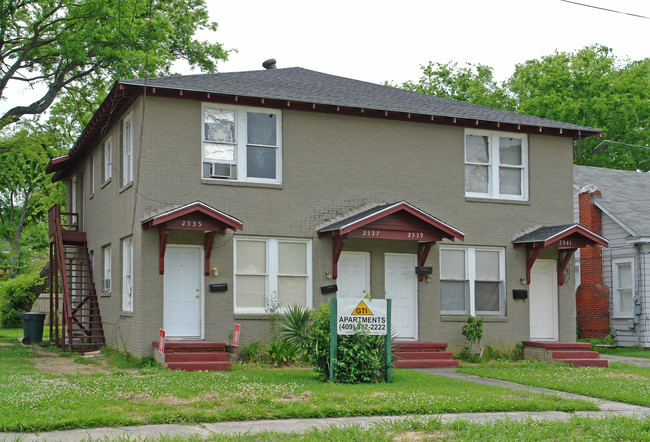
column 71, row 279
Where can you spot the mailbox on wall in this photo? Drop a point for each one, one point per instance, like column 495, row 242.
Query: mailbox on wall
column 218, row 287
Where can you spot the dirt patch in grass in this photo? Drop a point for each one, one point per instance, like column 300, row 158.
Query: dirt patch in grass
column 5, row 344
column 288, row 397
column 52, row 363
column 417, row 436
column 626, row 376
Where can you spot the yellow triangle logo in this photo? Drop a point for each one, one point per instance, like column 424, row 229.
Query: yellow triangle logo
column 362, row 310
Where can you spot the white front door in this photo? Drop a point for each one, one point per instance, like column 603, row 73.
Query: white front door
column 353, row 279
column 183, row 292
column 543, row 301
column 401, row 287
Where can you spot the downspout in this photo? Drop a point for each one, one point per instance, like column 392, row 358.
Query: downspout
column 644, row 250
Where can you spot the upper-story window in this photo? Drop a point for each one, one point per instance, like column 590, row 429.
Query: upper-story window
column 127, row 150
column 242, row 144
column 496, row 165
column 107, row 165
column 91, row 174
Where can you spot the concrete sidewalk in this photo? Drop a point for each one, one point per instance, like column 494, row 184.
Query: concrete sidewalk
column 641, row 362
column 608, row 408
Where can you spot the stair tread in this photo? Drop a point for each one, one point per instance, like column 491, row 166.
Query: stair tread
column 195, row 366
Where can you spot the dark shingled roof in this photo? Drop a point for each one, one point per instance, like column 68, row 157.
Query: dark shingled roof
column 542, row 234
column 354, row 218
column 304, row 85
column 304, row 90
column 546, row 233
column 624, row 195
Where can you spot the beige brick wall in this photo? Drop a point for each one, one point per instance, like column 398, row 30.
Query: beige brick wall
column 332, row 166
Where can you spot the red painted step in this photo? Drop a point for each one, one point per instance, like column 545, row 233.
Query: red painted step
column 575, row 354
column 422, row 354
column 585, row 362
column 194, row 355
column 199, row 366
column 426, row 363
column 578, row 354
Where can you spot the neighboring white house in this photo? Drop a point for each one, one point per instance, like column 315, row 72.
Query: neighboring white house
column 625, row 216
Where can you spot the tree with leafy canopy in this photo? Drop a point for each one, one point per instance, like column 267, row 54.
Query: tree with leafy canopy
column 590, row 87
column 73, row 51
column 79, row 47
column 473, row 83
column 26, row 192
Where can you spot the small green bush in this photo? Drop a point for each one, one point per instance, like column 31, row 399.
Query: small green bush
column 17, row 295
column 360, row 358
column 251, row 352
column 473, row 332
column 281, row 352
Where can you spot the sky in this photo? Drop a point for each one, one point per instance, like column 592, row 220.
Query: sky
column 381, row 40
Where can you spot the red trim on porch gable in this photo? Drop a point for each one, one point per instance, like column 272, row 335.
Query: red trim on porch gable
column 400, row 221
column 568, row 240
column 194, row 216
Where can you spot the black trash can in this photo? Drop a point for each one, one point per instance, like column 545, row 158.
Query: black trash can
column 32, row 327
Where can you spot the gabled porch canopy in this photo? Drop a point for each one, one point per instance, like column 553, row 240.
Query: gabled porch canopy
column 567, row 238
column 399, row 220
column 193, row 216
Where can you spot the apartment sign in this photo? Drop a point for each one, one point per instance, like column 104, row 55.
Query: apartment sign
column 354, row 314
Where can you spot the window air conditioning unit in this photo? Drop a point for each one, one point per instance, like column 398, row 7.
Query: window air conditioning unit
column 106, row 285
column 223, row 170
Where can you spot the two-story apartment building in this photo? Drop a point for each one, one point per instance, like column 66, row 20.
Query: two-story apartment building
column 208, row 199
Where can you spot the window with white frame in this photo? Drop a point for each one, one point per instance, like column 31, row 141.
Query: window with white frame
column 496, row 165
column 106, row 268
column 623, row 282
column 107, row 169
column 242, row 144
column 127, row 274
column 271, row 273
column 127, row 150
column 91, row 175
column 472, row 281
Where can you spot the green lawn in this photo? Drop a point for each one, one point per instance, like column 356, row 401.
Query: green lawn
column 621, row 382
column 634, row 352
column 33, row 401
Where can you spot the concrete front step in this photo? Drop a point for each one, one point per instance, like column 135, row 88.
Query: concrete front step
column 425, row 363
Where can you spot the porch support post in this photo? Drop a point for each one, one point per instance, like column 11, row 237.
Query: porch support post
column 337, row 248
column 423, row 252
column 564, row 256
column 162, row 233
column 532, row 251
column 209, row 241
